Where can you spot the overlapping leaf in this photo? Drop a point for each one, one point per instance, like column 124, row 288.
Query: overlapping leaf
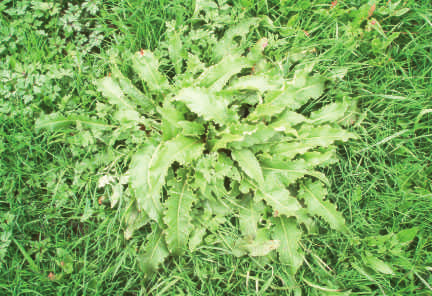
column 224, row 140
column 277, row 196
column 150, row 166
column 227, row 44
column 309, row 137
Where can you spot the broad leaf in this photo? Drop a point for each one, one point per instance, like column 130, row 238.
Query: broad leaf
column 261, row 248
column 250, row 214
column 407, row 235
column 111, row 90
column 261, row 83
column 132, row 91
column 147, row 200
column 261, row 245
column 286, row 231
column 280, row 200
column 175, row 47
column 153, row 252
column 249, row 164
column 310, row 137
column 171, row 117
column 377, row 264
column 293, row 97
column 215, row 77
column 329, row 113
column 225, row 139
column 180, row 149
column 196, row 237
column 313, row 194
column 288, row 119
column 150, row 166
column 275, row 195
column 205, row 104
column 147, row 67
column 191, row 129
column 290, row 171
column 134, row 220
column 238, row 136
column 227, row 44
column 178, row 216
column 53, row 121
column 127, row 116
column 116, row 194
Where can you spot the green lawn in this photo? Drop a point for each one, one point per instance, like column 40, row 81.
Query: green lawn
column 59, row 237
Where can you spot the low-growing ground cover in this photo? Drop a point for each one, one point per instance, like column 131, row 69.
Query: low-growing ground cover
column 59, row 233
